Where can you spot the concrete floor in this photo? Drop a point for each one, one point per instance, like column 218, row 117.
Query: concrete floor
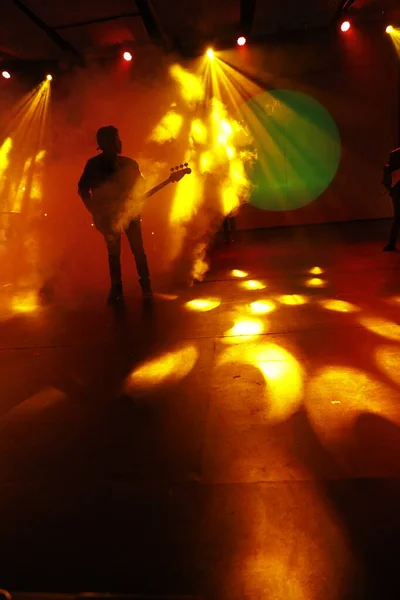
column 246, row 451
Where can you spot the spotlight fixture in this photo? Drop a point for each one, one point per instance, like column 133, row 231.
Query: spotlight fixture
column 241, row 41
column 210, row 53
column 345, row 26
column 389, row 29
column 49, row 77
column 127, row 56
column 6, row 75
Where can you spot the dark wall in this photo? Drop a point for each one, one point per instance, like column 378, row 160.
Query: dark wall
column 355, row 77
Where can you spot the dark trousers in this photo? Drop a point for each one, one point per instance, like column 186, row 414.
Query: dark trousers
column 113, row 241
column 229, row 227
column 394, row 231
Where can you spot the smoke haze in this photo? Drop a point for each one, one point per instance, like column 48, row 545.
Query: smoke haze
column 164, row 119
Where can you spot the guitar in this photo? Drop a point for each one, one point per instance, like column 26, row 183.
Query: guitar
column 106, row 223
column 177, row 173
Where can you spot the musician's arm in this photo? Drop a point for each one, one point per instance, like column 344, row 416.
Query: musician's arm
column 84, row 187
column 139, row 181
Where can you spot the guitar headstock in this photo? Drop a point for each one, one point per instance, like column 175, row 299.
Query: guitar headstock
column 178, row 172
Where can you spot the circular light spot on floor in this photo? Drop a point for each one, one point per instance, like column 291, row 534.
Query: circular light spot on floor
column 261, row 307
column 382, row 327
column 169, row 367
column 292, row 299
column 315, row 282
column 387, row 358
column 238, row 273
column 252, row 284
column 316, row 271
column 337, row 396
column 281, row 371
column 289, row 130
column 339, row 306
column 203, row 304
column 243, row 330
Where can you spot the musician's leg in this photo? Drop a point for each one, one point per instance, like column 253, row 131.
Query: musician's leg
column 134, row 235
column 113, row 241
column 225, row 226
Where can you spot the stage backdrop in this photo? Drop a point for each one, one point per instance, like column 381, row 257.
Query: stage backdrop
column 331, row 117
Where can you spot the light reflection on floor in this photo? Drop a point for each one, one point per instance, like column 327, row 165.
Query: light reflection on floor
column 280, row 391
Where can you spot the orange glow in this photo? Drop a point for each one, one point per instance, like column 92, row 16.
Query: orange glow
column 316, row 271
column 262, row 307
column 168, row 128
column 252, row 284
column 127, row 56
column 237, row 273
column 383, row 327
column 4, row 160
column 339, row 306
column 292, row 299
column 192, row 88
column 315, row 282
column 394, row 300
column 203, row 304
column 169, row 367
column 187, row 197
column 25, row 302
column 198, row 131
column 166, row 296
column 387, row 358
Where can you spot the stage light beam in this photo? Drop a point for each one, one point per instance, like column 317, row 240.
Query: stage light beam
column 389, row 29
column 210, row 54
column 127, row 56
column 6, row 75
column 345, row 26
column 241, row 41
column 49, row 77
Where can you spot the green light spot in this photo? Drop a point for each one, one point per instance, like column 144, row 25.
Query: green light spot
column 298, row 146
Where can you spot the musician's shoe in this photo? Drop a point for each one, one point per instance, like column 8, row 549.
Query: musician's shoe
column 390, row 248
column 115, row 296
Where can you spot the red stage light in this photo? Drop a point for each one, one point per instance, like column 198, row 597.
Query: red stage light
column 241, row 41
column 6, row 75
column 345, row 26
column 127, row 56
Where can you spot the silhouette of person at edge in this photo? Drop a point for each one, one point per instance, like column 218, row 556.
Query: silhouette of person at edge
column 391, row 181
column 108, row 182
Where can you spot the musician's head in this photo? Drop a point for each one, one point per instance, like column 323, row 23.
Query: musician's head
column 108, row 140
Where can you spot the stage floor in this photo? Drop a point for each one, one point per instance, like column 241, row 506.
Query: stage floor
column 244, row 446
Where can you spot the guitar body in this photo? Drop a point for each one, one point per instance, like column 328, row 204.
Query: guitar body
column 112, row 219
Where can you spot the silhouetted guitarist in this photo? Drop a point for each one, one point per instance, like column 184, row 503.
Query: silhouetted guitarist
column 108, row 187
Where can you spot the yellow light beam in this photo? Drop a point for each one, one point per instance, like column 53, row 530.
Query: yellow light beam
column 394, row 33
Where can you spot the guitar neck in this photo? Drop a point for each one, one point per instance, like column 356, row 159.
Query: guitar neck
column 157, row 188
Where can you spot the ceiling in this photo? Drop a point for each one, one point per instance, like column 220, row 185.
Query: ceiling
column 85, row 26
